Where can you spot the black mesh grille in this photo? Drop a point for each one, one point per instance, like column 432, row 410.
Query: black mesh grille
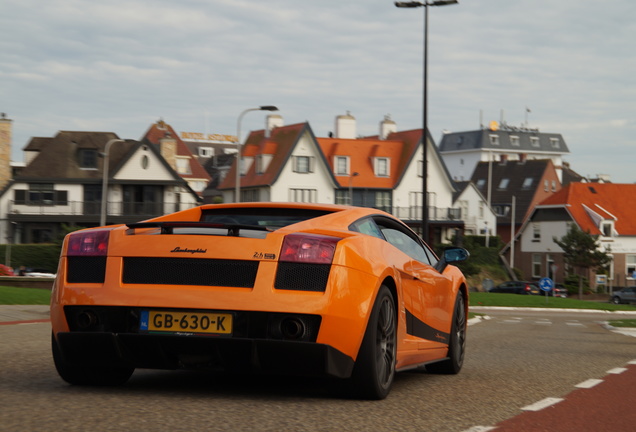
column 189, row 271
column 302, row 276
column 85, row 269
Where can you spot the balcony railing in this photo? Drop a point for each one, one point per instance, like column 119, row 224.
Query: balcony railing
column 92, row 208
column 151, row 209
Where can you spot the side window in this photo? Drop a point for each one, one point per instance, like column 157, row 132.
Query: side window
column 405, row 243
column 367, row 226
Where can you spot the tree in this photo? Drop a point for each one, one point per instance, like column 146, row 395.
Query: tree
column 582, row 251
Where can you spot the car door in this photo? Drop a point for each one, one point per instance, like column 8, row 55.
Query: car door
column 426, row 291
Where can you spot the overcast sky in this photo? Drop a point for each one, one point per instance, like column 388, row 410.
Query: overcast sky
column 118, row 66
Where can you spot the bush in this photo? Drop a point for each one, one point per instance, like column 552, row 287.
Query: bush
column 40, row 256
column 571, row 283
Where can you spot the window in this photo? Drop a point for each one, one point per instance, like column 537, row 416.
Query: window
column 342, row 197
column 553, row 185
column 607, row 229
column 503, row 184
column 514, row 141
column 536, row 265
column 494, row 140
column 88, row 158
column 303, row 164
column 383, row 201
column 554, row 142
column 41, row 193
column 527, row 183
column 546, row 185
column 630, row 261
column 259, row 164
column 382, row 167
column 481, row 183
column 341, row 164
column 183, row 166
column 536, row 232
column 303, row 195
column 206, row 152
column 534, row 142
column 502, row 210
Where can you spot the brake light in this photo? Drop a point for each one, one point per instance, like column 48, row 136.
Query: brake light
column 527, row 288
column 308, row 248
column 88, row 243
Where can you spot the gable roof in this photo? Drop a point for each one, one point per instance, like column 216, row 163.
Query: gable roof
column 589, row 203
column 279, row 145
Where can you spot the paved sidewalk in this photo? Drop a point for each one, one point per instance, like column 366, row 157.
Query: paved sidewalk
column 11, row 314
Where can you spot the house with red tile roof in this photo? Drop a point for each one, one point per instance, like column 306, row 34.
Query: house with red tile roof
column 602, row 209
column 288, row 163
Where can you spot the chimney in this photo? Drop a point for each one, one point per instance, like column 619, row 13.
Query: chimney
column 387, row 127
column 346, row 126
column 272, row 121
column 168, row 149
column 523, row 157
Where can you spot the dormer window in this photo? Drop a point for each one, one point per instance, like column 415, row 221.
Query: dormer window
column 534, row 142
column 514, row 141
column 607, row 228
column 554, row 142
column 87, row 158
column 341, row 164
column 381, row 167
column 503, row 184
column 206, row 152
column 494, row 140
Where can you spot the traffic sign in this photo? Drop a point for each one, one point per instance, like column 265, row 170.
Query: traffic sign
column 546, row 284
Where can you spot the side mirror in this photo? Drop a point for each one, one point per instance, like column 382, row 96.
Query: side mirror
column 451, row 255
column 455, row 254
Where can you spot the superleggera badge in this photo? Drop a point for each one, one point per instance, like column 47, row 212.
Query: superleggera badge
column 186, row 250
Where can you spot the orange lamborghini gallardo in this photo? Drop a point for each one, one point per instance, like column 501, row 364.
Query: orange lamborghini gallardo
column 345, row 292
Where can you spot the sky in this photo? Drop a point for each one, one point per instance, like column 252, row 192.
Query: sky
column 566, row 66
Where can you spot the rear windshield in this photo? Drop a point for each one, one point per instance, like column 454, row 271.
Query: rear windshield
column 272, row 218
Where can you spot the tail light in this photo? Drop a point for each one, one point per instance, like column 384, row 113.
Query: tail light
column 308, row 248
column 527, row 288
column 88, row 243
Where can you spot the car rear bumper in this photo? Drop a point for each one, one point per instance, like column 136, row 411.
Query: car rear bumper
column 154, row 351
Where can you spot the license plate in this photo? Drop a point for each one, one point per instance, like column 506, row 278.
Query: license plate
column 186, row 322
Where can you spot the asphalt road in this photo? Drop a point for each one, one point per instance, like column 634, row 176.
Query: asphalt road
column 514, row 359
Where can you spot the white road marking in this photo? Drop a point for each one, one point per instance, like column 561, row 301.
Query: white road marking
column 589, row 383
column 538, row 406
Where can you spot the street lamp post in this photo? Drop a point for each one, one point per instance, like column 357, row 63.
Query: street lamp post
column 425, row 5
column 355, row 174
column 237, row 188
column 102, row 217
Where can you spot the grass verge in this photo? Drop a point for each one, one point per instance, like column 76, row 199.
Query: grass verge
column 24, row 296
column 538, row 301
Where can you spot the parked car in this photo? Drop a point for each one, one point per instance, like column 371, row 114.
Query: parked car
column 304, row 289
column 559, row 291
column 626, row 295
column 517, row 287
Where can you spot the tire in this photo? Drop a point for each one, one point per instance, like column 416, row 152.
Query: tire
column 616, row 300
column 90, row 375
column 374, row 370
column 457, row 343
